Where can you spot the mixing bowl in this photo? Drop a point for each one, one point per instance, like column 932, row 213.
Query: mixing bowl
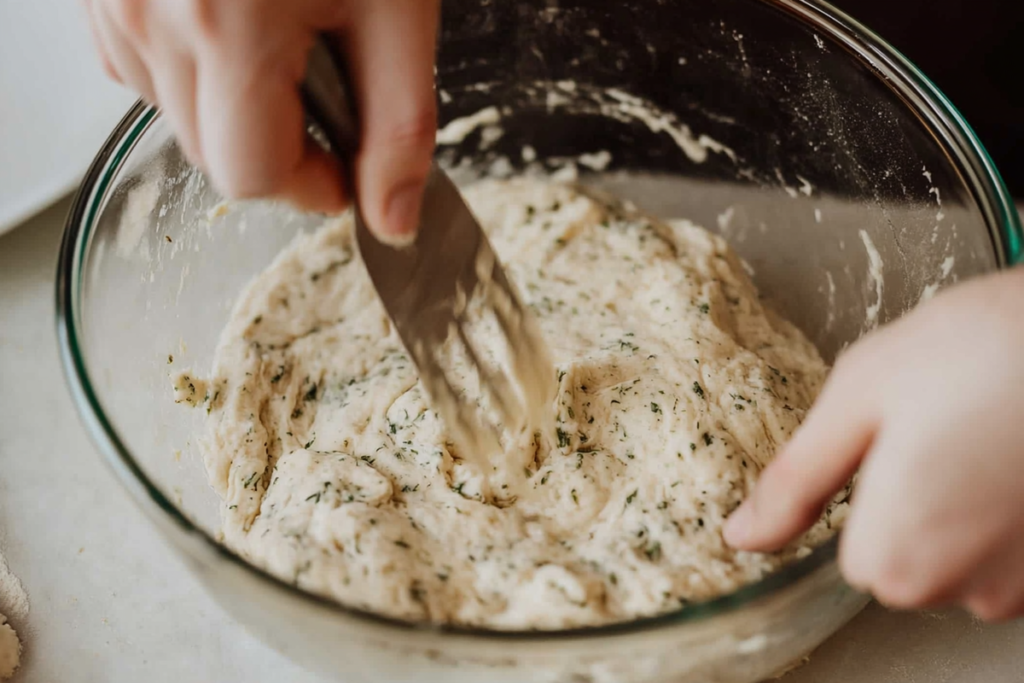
column 847, row 182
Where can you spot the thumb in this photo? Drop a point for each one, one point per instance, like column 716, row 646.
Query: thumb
column 391, row 47
column 820, row 459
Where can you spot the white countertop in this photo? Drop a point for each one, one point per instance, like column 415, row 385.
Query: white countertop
column 111, row 603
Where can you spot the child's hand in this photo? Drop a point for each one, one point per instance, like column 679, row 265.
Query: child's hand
column 932, row 408
column 226, row 74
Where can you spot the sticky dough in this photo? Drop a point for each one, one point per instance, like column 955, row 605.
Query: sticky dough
column 675, row 387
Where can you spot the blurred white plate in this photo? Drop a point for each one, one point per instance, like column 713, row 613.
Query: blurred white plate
column 56, row 104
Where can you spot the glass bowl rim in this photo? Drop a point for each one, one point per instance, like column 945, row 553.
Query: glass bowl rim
column 916, row 90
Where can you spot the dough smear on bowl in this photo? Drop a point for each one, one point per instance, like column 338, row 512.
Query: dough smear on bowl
column 675, row 388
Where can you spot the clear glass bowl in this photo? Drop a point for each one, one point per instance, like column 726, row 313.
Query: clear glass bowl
column 843, row 177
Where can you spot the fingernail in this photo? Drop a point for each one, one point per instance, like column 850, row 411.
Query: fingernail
column 739, row 527
column 403, row 215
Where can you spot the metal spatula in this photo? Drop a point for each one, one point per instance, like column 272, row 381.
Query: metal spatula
column 439, row 288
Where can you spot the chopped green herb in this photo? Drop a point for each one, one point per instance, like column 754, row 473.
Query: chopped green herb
column 655, row 408
column 563, row 437
column 697, row 389
column 653, row 551
column 572, row 413
column 693, row 446
column 575, row 499
column 631, row 497
column 704, row 308
column 315, row 496
column 402, row 544
column 707, row 439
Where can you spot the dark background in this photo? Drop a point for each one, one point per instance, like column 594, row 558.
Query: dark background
column 974, row 51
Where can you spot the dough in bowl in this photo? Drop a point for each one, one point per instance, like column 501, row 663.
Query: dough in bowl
column 676, row 386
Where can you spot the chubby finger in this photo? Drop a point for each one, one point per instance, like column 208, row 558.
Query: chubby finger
column 391, row 48
column 174, row 82
column 126, row 64
column 252, row 122
column 822, row 456
column 99, row 43
column 892, row 546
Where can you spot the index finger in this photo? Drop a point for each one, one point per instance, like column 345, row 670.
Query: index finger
column 820, row 459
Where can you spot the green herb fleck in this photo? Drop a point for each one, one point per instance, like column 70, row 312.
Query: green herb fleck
column 563, row 437
column 655, row 408
column 631, row 497
column 402, row 544
column 697, row 389
column 315, row 497
column 693, row 446
column 653, row 551
column 704, row 308
column 575, row 499
column 707, row 439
